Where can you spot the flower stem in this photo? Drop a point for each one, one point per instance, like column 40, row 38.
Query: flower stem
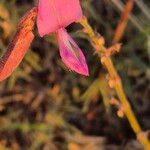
column 115, row 81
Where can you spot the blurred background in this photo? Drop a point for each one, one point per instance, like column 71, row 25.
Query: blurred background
column 44, row 106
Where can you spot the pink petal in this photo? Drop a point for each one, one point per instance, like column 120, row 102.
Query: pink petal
column 55, row 14
column 71, row 54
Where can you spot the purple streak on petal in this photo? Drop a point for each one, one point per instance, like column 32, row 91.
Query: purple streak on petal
column 71, row 54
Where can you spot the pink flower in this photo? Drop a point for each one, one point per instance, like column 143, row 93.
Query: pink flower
column 54, row 16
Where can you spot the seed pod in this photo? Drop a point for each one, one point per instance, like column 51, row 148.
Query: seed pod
column 19, row 45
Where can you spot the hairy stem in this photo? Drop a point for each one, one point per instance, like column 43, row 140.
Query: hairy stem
column 115, row 81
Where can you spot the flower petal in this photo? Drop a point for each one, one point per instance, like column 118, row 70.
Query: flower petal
column 47, row 18
column 55, row 14
column 71, row 54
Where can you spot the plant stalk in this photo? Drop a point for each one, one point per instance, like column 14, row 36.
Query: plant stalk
column 115, row 81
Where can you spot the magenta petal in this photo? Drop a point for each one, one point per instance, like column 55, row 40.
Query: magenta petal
column 55, row 14
column 46, row 20
column 71, row 54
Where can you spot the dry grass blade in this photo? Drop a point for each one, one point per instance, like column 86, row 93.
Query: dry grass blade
column 123, row 21
column 132, row 18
